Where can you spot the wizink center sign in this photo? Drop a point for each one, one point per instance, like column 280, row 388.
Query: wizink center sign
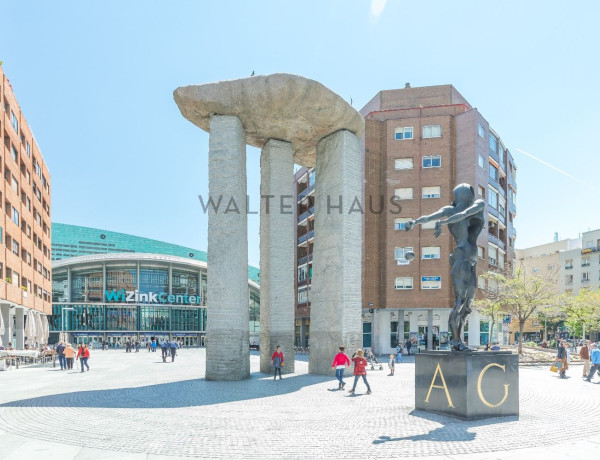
column 123, row 296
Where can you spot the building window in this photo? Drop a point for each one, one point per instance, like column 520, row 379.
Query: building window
column 501, row 259
column 403, row 163
column 568, row 264
column 432, row 131
column 14, row 184
column 585, row 277
column 432, row 161
column 28, row 149
column 481, row 162
column 493, row 172
column 403, row 193
column 493, row 198
column 403, row 133
column 585, row 262
column 400, row 223
column 492, row 255
column 568, row 279
column 400, row 255
column 493, row 143
column 481, row 130
column 367, row 335
column 14, row 153
column 15, row 216
column 14, row 121
column 430, row 252
column 431, row 282
column 15, row 247
column 403, row 283
column 480, row 252
column 431, row 192
column 302, row 272
column 480, row 191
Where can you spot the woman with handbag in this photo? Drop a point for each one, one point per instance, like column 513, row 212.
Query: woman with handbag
column 561, row 358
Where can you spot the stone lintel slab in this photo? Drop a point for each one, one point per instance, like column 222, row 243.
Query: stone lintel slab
column 335, row 314
column 277, row 247
column 227, row 334
column 278, row 106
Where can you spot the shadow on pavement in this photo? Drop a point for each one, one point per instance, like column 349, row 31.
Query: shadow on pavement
column 186, row 393
column 453, row 430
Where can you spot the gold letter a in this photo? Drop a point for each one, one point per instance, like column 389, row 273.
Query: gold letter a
column 444, row 386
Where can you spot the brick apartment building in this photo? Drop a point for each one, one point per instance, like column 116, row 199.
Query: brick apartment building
column 419, row 144
column 25, row 233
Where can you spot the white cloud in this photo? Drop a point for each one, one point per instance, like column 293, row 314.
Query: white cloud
column 377, row 7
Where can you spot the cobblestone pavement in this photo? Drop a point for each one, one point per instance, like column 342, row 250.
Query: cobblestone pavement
column 134, row 406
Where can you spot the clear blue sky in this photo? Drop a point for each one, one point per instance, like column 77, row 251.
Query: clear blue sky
column 95, row 81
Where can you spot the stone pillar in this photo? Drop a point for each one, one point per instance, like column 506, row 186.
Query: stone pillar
column 227, row 332
column 400, row 328
column 19, row 329
column 474, row 329
column 277, row 247
column 337, row 265
column 429, row 329
column 7, row 317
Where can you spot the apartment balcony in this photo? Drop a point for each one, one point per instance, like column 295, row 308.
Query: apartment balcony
column 493, row 154
column 585, row 281
column 307, row 191
column 569, row 267
column 512, row 182
column 590, row 250
column 494, row 239
column 305, row 259
column 512, row 207
column 497, row 186
column 306, row 215
column 303, row 240
column 492, row 211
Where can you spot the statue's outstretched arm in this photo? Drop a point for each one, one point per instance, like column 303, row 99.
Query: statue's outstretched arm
column 476, row 207
column 446, row 211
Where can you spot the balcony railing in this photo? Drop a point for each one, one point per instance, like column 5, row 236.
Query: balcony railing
column 306, row 215
column 305, row 259
column 568, row 267
column 305, row 192
column 306, row 237
column 494, row 239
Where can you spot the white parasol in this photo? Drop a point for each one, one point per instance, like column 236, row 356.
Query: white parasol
column 2, row 328
column 30, row 328
column 45, row 328
column 39, row 330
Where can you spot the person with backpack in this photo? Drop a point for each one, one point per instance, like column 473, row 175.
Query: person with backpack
column 164, row 348
column 83, row 354
column 60, row 351
column 360, row 370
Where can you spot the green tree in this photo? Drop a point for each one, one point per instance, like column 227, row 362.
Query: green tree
column 491, row 306
column 582, row 311
column 521, row 295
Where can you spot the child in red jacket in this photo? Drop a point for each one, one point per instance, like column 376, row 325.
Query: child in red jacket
column 340, row 362
column 360, row 369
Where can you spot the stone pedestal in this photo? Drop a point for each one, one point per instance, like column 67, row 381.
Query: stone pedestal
column 468, row 385
column 227, row 334
column 335, row 314
column 19, row 329
column 277, row 246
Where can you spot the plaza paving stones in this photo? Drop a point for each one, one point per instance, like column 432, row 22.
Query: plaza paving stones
column 133, row 406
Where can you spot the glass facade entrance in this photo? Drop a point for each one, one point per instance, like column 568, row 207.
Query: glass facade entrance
column 114, row 298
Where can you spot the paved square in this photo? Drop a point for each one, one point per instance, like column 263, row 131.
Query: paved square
column 131, row 405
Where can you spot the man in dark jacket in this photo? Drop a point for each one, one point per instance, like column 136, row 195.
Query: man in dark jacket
column 173, row 348
column 60, row 351
column 164, row 347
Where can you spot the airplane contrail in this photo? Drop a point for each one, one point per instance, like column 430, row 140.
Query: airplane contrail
column 564, row 173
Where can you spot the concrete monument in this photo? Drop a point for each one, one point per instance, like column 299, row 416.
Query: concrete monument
column 293, row 120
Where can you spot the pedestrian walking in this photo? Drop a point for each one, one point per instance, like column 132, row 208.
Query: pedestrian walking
column 391, row 365
column 164, row 348
column 83, row 354
column 69, row 355
column 173, row 347
column 137, row 346
column 584, row 354
column 408, row 346
column 561, row 357
column 595, row 359
column 399, row 352
column 360, row 370
column 153, row 345
column 340, row 362
column 148, row 345
column 60, row 351
column 277, row 362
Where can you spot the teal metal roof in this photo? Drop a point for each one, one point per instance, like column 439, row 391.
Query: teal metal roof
column 73, row 241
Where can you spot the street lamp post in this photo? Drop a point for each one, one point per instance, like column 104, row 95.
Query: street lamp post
column 62, row 318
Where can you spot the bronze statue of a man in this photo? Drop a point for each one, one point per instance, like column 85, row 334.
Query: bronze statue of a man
column 465, row 220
